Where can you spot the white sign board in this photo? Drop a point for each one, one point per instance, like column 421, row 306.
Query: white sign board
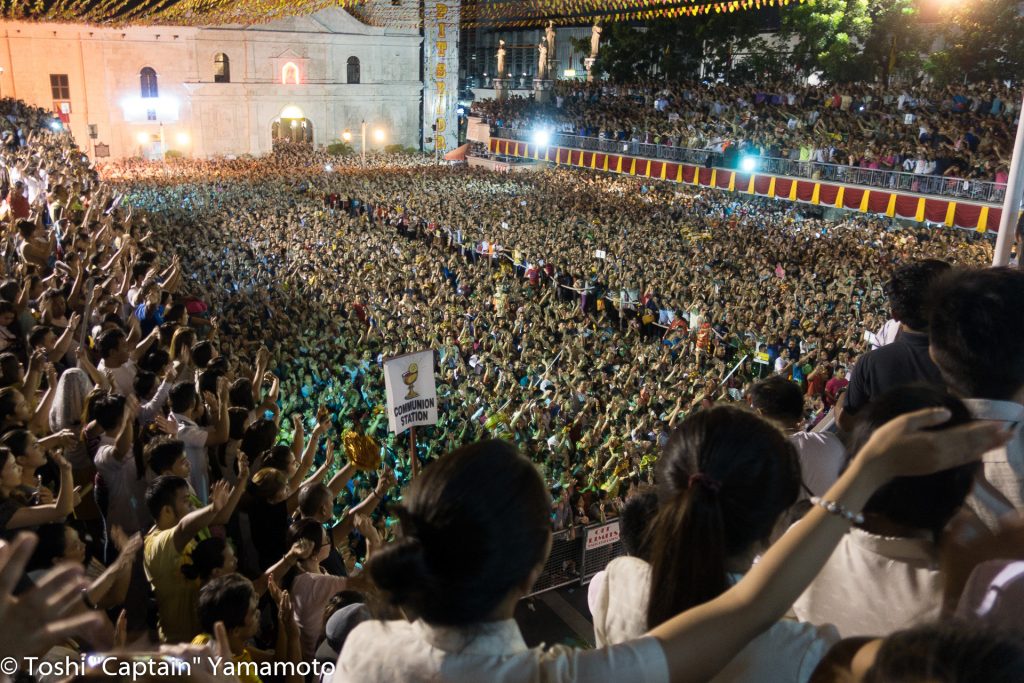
column 600, row 253
column 598, row 537
column 411, row 391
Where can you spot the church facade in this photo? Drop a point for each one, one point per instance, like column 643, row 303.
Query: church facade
column 219, row 91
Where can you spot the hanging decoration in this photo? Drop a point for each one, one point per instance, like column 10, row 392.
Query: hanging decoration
column 407, row 14
column 163, row 12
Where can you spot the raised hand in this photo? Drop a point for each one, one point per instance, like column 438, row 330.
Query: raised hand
column 243, row 469
column 302, row 549
column 902, row 447
column 219, row 494
column 39, row 611
column 166, row 425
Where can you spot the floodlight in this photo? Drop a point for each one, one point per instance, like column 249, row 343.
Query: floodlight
column 748, row 164
column 541, row 138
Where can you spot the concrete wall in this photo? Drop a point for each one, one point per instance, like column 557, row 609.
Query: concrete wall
column 200, row 117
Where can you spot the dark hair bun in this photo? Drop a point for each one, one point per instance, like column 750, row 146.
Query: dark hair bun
column 400, row 569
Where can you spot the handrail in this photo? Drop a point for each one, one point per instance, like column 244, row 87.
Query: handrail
column 972, row 190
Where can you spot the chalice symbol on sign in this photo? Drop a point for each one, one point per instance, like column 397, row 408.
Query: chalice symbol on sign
column 409, row 379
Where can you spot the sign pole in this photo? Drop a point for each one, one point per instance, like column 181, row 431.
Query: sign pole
column 414, row 464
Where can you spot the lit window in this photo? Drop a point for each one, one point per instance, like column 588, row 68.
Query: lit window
column 147, row 83
column 290, row 70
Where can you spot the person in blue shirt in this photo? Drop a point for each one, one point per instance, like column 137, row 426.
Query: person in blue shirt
column 151, row 311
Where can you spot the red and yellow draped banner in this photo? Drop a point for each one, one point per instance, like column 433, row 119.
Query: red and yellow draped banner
column 949, row 212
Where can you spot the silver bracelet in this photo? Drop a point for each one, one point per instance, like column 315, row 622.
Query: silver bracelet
column 835, row 508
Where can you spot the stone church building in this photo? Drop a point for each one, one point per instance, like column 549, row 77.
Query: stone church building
column 219, row 90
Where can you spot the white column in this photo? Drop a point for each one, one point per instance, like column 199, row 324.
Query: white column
column 1011, row 205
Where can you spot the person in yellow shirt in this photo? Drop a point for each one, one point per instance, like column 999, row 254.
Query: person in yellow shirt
column 176, row 526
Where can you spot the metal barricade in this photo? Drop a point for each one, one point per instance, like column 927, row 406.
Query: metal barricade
column 577, row 555
column 976, row 190
column 563, row 565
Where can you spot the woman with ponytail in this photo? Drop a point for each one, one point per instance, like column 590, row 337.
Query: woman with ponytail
column 476, row 535
column 724, row 480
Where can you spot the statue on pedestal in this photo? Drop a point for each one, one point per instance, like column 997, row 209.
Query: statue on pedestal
column 542, row 60
column 501, row 59
column 595, row 40
column 549, row 36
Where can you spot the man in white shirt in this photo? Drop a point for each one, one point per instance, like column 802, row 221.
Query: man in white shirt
column 118, row 359
column 884, row 574
column 115, row 462
column 185, row 408
column 822, row 455
column 978, row 347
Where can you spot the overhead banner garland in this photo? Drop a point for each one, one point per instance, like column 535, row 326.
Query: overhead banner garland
column 474, row 13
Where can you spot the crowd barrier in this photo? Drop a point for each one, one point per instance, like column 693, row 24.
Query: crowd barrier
column 973, row 190
column 577, row 555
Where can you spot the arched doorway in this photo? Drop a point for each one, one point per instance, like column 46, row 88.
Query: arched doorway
column 291, row 126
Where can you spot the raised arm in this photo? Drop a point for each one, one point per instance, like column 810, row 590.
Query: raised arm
column 306, row 461
column 321, row 472
column 700, row 642
column 64, row 342
column 37, row 515
column 197, row 520
column 224, row 515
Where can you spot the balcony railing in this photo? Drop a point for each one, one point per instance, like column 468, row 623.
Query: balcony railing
column 960, row 188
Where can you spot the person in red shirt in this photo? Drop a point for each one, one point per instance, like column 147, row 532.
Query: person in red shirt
column 17, row 199
column 816, row 382
column 835, row 386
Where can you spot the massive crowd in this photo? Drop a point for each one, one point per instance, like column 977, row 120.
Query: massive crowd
column 961, row 131
column 195, row 448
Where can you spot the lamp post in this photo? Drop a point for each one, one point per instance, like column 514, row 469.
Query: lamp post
column 1011, row 204
column 364, row 141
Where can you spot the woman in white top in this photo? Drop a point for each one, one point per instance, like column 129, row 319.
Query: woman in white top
column 724, row 480
column 476, row 536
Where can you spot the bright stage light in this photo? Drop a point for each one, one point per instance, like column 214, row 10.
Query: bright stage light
column 347, row 135
column 541, row 138
column 748, row 164
column 182, row 138
column 143, row 138
column 378, row 135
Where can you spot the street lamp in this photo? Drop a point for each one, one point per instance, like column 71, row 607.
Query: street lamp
column 346, row 135
column 378, row 135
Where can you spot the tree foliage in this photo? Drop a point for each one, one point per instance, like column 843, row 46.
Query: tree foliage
column 984, row 40
column 673, row 48
column 842, row 40
column 854, row 40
